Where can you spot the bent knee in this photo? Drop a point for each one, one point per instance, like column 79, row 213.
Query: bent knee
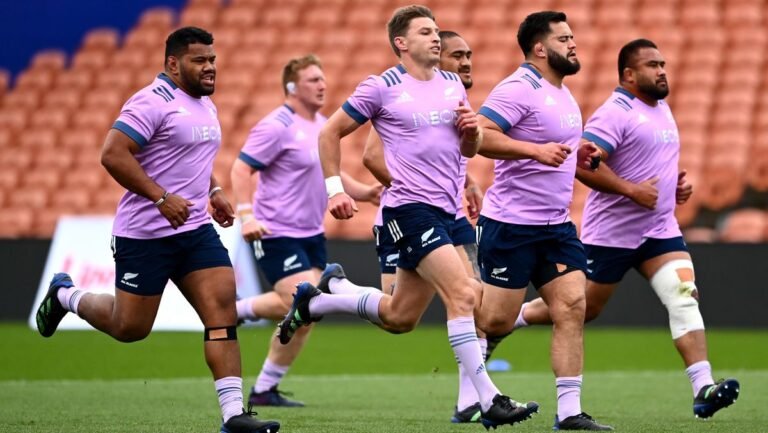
column 401, row 325
column 463, row 295
column 495, row 324
column 571, row 306
column 130, row 334
column 591, row 312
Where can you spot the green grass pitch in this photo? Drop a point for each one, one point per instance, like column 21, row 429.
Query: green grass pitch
column 359, row 379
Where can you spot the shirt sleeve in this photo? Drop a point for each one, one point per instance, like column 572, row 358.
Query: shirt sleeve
column 140, row 117
column 263, row 145
column 506, row 105
column 605, row 128
column 365, row 102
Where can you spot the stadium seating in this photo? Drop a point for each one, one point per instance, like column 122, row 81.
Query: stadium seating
column 55, row 114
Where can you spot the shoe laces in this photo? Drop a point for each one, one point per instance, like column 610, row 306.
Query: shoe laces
column 250, row 412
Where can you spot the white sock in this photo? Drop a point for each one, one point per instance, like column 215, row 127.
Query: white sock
column 463, row 338
column 342, row 286
column 230, row 391
column 270, row 376
column 520, row 321
column 245, row 309
column 69, row 297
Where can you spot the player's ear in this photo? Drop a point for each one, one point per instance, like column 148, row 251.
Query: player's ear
column 400, row 43
column 172, row 64
column 539, row 50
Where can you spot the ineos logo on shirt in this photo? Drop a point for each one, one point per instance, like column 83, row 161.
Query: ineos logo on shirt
column 205, row 133
column 434, row 118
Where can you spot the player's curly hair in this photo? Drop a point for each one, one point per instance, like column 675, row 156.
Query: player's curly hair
column 178, row 42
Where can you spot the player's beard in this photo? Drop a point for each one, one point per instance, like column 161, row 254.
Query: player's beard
column 192, row 82
column 652, row 89
column 467, row 83
column 561, row 64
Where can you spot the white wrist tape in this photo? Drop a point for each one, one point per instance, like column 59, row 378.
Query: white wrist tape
column 333, row 185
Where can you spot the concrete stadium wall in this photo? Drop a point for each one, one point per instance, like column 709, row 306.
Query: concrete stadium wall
column 731, row 280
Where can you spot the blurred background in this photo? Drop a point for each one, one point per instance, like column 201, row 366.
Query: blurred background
column 68, row 66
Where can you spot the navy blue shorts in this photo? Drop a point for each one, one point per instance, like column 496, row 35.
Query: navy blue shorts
column 144, row 266
column 608, row 265
column 462, row 233
column 513, row 255
column 283, row 256
column 417, row 229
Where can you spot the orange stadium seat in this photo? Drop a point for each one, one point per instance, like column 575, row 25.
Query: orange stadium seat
column 14, row 119
column 76, row 200
column 116, row 78
column 613, row 15
column 34, row 198
column 45, row 177
column 38, row 79
column 22, row 99
column 62, row 98
column 700, row 14
column 744, row 225
column 56, row 160
column 9, row 177
column 365, row 18
column 54, row 118
column 7, row 139
column 38, row 139
column 159, row 17
column 201, row 16
column 451, row 16
column 45, row 221
column 213, row 4
column 281, row 15
column 128, row 60
column 743, row 13
column 91, row 60
column 73, row 79
column 93, row 118
column 145, row 38
column 16, row 222
column 5, row 82
column 238, row 17
column 323, row 16
column 107, row 98
column 89, row 179
column 82, row 139
column 104, row 40
column 19, row 158
column 656, row 14
column 50, row 60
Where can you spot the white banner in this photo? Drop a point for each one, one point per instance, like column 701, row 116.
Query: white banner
column 80, row 248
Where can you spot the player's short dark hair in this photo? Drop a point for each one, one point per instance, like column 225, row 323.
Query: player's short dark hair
column 447, row 34
column 629, row 50
column 535, row 27
column 401, row 19
column 292, row 68
column 178, row 42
